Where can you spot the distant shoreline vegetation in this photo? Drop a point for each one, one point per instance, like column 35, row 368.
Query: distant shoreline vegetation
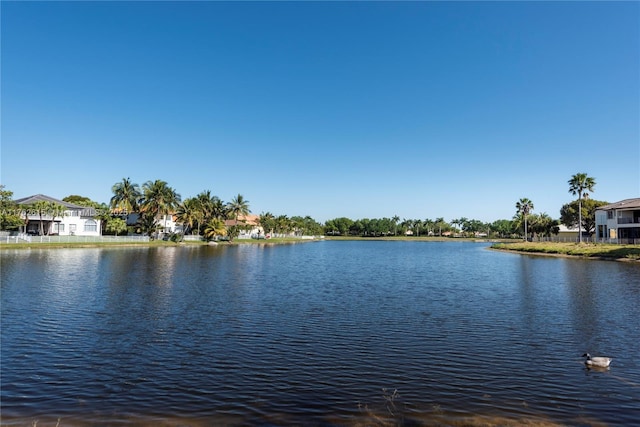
column 156, row 209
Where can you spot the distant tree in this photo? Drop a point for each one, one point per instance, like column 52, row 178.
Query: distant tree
column 524, row 207
column 116, row 226
column 502, row 227
column 126, row 196
column 103, row 213
column 579, row 184
column 282, row 224
column 267, row 222
column 159, row 199
column 237, row 207
column 339, row 226
column 55, row 210
column 9, row 212
column 440, row 223
column 214, row 228
column 190, row 215
column 395, row 220
column 41, row 207
column 571, row 213
column 81, row 201
column 147, row 222
column 543, row 225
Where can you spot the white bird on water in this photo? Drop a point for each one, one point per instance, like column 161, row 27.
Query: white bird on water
column 597, row 361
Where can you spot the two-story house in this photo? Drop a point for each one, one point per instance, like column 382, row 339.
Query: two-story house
column 619, row 222
column 74, row 220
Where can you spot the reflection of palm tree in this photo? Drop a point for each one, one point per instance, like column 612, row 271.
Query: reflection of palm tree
column 524, row 206
column 126, row 196
column 577, row 185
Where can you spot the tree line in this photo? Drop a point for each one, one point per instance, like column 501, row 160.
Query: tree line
column 208, row 216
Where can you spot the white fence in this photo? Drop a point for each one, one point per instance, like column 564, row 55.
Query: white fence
column 25, row 238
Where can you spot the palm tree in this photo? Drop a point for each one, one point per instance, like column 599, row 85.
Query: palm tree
column 238, row 206
column 439, row 223
column 395, row 221
column 189, row 213
column 267, row 222
column 56, row 210
column 126, row 196
column 159, row 199
column 41, row 207
column 577, row 185
column 215, row 227
column 524, row 206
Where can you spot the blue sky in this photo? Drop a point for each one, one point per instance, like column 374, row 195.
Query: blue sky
column 327, row 109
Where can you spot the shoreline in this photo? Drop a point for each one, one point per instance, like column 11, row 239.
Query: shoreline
column 586, row 251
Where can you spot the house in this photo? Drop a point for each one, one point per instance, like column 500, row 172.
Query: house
column 567, row 234
column 69, row 221
column 619, row 222
column 249, row 226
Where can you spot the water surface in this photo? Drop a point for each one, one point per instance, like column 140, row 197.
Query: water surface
column 326, row 333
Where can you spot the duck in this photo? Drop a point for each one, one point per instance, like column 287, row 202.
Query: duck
column 597, row 361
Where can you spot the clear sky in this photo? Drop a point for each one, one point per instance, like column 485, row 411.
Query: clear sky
column 327, row 109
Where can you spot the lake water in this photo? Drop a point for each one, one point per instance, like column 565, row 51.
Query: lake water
column 316, row 334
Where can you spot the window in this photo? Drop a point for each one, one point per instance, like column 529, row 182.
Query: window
column 90, row 225
column 609, row 214
column 58, row 227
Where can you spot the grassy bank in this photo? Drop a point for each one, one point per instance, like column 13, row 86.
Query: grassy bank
column 585, row 250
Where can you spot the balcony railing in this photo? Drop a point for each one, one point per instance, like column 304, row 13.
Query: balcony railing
column 628, row 220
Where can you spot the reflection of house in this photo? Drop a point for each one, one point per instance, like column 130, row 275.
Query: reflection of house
column 73, row 220
column 249, row 226
column 619, row 222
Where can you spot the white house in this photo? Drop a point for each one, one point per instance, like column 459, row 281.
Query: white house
column 73, row 221
column 619, row 222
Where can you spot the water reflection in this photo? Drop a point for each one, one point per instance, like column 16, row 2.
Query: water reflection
column 316, row 334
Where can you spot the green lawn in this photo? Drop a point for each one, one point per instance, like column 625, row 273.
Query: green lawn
column 589, row 250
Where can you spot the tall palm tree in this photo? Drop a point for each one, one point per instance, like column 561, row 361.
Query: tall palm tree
column 190, row 214
column 41, row 207
column 524, row 206
column 159, row 199
column 577, row 185
column 56, row 210
column 126, row 196
column 267, row 222
column 439, row 223
column 395, row 221
column 238, row 206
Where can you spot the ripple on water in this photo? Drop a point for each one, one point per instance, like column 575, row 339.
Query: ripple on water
column 334, row 333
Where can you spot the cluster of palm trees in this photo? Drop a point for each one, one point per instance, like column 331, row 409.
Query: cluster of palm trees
column 153, row 202
column 205, row 214
column 43, row 209
column 543, row 224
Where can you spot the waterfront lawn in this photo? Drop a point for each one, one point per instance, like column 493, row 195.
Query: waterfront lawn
column 590, row 250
